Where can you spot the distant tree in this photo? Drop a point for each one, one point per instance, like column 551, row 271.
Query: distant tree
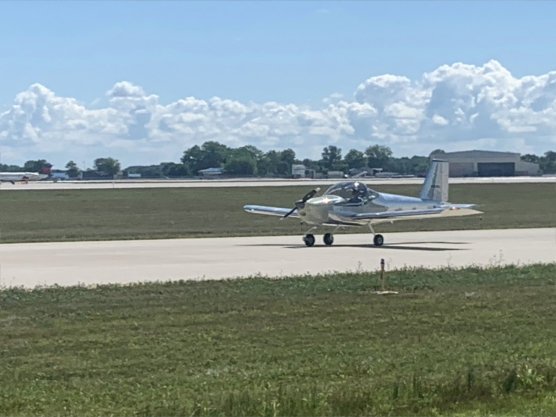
column 209, row 155
column 73, row 170
column 378, row 156
column 107, row 166
column 11, row 168
column 437, row 153
column 146, row 171
column 40, row 165
column 331, row 156
column 531, row 158
column 402, row 165
column 287, row 156
column 310, row 164
column 286, row 160
column 248, row 150
column 283, row 169
column 193, row 158
column 215, row 154
column 355, row 159
column 548, row 162
column 418, row 165
column 241, row 166
column 550, row 156
column 268, row 163
column 173, row 170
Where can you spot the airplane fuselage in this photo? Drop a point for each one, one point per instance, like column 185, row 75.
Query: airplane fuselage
column 335, row 209
column 20, row 176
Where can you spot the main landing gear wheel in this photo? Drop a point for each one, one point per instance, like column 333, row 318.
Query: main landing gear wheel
column 378, row 240
column 309, row 240
column 328, row 239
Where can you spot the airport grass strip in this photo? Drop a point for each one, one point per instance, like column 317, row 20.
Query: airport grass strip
column 453, row 342
column 209, row 212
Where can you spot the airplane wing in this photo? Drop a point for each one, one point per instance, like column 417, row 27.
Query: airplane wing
column 448, row 210
column 394, row 214
column 270, row 211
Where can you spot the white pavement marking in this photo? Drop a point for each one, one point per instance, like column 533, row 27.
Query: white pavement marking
column 90, row 263
column 122, row 184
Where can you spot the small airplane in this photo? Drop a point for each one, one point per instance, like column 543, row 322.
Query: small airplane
column 21, row 176
column 352, row 203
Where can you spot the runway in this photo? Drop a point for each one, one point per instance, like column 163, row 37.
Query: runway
column 90, row 263
column 250, row 182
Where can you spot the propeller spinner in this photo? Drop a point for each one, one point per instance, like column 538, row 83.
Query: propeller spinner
column 301, row 203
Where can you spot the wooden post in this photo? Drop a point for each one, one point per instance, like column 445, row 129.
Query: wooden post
column 383, row 290
column 382, row 273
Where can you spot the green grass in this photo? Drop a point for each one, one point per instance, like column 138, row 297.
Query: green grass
column 454, row 342
column 188, row 212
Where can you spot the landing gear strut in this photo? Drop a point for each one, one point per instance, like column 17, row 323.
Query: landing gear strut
column 378, row 239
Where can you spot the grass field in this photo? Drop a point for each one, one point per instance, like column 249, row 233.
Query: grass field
column 454, row 342
column 172, row 213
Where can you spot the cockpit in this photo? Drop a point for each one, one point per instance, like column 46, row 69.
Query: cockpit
column 352, row 191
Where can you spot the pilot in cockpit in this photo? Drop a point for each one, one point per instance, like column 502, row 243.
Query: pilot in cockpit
column 358, row 193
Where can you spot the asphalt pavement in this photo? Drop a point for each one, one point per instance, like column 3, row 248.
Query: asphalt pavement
column 91, row 263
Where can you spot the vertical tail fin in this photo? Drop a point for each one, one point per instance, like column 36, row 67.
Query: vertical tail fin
column 435, row 186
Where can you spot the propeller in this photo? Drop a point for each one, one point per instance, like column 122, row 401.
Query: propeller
column 301, row 203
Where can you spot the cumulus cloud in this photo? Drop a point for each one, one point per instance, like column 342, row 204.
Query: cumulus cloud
column 456, row 106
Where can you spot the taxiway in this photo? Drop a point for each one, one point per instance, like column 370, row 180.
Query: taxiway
column 91, row 263
column 251, row 182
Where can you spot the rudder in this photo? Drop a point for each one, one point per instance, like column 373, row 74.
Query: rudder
column 435, row 186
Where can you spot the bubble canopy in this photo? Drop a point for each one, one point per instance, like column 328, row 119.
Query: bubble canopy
column 353, row 191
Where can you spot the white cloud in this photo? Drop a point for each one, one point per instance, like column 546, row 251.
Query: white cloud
column 455, row 106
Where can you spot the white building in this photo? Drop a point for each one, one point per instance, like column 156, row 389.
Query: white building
column 298, row 171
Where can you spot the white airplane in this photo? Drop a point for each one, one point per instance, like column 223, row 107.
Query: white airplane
column 352, row 203
column 21, row 176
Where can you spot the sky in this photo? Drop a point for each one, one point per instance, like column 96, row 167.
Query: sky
column 142, row 81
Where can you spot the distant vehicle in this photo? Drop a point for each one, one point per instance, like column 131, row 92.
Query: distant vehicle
column 352, row 203
column 211, row 172
column 25, row 177
column 336, row 174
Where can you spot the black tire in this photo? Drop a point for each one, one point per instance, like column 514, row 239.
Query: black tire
column 378, row 240
column 309, row 240
column 328, row 239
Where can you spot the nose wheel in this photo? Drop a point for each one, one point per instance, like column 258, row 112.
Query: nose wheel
column 378, row 240
column 309, row 239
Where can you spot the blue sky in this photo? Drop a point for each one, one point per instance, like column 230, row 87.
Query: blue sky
column 284, row 51
column 293, row 53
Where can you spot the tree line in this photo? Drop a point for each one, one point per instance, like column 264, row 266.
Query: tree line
column 104, row 166
column 250, row 161
column 547, row 162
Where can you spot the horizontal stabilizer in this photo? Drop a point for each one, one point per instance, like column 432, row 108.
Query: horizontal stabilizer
column 460, row 206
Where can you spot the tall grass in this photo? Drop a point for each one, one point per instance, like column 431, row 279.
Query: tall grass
column 453, row 342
